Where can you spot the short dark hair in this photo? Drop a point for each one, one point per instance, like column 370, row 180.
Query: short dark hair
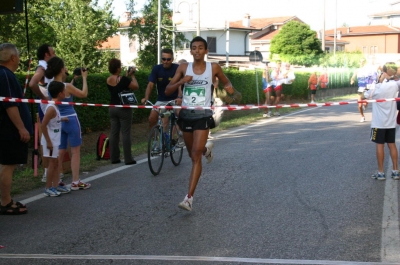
column 113, row 65
column 168, row 51
column 198, row 38
column 42, row 50
column 54, row 66
column 55, row 88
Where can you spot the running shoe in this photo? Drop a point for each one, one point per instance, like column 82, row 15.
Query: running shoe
column 186, row 204
column 51, row 192
column 268, row 114
column 80, row 186
column 379, row 176
column 395, row 175
column 362, row 119
column 181, row 142
column 63, row 189
column 209, row 154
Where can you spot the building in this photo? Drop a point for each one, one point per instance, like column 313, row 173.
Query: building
column 233, row 44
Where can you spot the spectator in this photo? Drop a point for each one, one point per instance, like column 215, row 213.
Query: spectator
column 70, row 129
column 15, row 128
column 38, row 84
column 120, row 118
column 51, row 128
column 383, row 124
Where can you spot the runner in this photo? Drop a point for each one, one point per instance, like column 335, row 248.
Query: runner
column 197, row 78
column 366, row 75
column 277, row 80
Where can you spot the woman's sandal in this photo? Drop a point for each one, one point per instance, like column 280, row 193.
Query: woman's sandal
column 13, row 208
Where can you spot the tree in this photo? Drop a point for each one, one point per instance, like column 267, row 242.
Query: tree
column 80, row 30
column 297, row 44
column 75, row 28
column 145, row 29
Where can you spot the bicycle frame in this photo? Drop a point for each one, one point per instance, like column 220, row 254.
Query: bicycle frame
column 158, row 146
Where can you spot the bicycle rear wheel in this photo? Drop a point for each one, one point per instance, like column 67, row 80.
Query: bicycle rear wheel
column 176, row 144
column 155, row 150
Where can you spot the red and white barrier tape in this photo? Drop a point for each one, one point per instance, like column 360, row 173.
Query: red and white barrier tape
column 226, row 107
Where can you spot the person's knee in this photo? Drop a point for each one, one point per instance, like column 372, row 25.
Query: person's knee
column 153, row 117
column 196, row 155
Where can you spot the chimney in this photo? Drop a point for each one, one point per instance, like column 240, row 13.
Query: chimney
column 127, row 16
column 246, row 21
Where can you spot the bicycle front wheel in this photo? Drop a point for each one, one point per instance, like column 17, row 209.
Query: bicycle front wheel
column 177, row 144
column 155, row 150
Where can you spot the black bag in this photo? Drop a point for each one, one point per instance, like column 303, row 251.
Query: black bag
column 127, row 98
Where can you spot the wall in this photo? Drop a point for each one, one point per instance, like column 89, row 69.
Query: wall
column 385, row 43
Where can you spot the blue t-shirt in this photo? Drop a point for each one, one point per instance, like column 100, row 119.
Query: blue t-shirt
column 10, row 87
column 161, row 77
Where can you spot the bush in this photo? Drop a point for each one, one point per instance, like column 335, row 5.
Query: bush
column 247, row 82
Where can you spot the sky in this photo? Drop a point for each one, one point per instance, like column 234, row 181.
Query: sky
column 215, row 12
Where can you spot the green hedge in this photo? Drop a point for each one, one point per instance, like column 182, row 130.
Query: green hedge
column 247, row 82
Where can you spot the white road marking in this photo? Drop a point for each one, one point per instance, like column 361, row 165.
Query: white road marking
column 188, row 258
column 390, row 242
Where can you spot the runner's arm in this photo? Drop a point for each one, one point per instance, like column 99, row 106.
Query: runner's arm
column 178, row 80
column 222, row 78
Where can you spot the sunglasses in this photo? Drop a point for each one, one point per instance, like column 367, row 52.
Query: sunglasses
column 166, row 59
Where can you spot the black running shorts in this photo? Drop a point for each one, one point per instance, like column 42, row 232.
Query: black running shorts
column 382, row 136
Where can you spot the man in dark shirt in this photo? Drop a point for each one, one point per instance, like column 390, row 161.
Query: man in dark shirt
column 15, row 128
column 161, row 75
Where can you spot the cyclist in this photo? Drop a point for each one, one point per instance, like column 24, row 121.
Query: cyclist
column 161, row 75
column 197, row 79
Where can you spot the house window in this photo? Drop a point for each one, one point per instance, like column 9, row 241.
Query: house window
column 373, row 49
column 212, row 44
column 132, row 46
column 328, row 49
column 365, row 49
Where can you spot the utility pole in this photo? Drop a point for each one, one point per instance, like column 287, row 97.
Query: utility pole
column 335, row 32
column 323, row 29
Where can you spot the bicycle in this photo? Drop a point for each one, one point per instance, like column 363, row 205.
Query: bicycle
column 163, row 143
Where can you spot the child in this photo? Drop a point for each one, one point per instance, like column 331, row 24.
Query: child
column 312, row 84
column 383, row 124
column 51, row 128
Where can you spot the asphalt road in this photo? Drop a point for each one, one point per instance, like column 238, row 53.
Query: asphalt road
column 288, row 190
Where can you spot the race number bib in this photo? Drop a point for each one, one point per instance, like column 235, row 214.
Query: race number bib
column 194, row 96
